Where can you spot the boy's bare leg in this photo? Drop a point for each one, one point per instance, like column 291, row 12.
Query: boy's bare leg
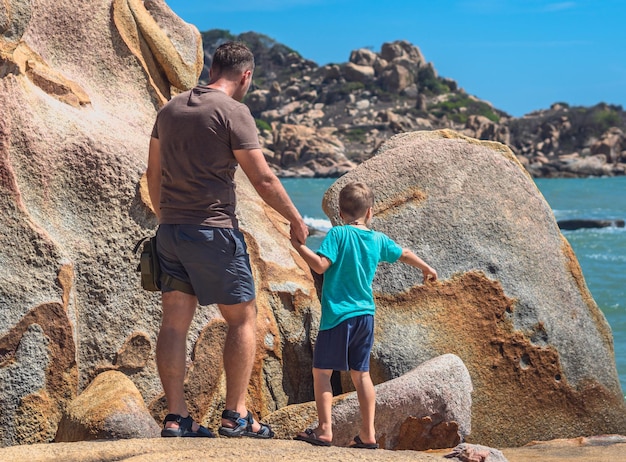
column 324, row 401
column 367, row 404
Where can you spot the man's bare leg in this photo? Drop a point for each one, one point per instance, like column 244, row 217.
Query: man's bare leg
column 239, row 354
column 171, row 350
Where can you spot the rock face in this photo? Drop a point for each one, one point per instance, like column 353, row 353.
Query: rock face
column 511, row 302
column 79, row 91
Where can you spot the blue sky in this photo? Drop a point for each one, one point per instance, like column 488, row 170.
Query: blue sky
column 520, row 55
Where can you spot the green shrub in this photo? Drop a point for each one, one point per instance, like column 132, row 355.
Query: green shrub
column 351, row 87
column 429, row 83
column 451, row 109
column 356, row 135
column 262, row 125
column 606, row 118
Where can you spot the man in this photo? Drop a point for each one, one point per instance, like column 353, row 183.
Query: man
column 198, row 140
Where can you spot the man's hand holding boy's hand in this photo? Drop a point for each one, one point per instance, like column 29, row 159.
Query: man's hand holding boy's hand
column 293, row 238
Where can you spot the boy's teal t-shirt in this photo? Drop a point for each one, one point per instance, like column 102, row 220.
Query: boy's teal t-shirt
column 347, row 287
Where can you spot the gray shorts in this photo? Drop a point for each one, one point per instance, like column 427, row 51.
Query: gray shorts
column 214, row 261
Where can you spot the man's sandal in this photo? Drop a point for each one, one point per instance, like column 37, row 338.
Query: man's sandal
column 243, row 426
column 184, row 429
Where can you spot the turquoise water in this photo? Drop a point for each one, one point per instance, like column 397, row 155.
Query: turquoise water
column 600, row 252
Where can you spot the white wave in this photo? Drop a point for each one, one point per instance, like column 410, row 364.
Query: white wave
column 319, row 224
column 606, row 257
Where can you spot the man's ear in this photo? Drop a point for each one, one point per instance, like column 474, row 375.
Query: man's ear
column 246, row 75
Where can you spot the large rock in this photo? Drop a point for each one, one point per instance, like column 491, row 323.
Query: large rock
column 79, row 91
column 110, row 407
column 298, row 146
column 429, row 407
column 511, row 303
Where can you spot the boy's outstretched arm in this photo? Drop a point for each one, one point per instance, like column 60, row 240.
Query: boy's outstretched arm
column 410, row 258
column 316, row 262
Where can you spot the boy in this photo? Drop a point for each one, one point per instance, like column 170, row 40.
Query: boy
column 349, row 256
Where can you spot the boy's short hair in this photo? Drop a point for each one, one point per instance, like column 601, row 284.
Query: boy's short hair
column 232, row 57
column 354, row 199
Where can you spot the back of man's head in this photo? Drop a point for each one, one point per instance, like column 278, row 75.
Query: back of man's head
column 232, row 59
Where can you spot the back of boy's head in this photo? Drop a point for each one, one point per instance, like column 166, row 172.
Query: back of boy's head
column 355, row 199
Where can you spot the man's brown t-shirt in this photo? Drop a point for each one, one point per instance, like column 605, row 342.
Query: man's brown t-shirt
column 198, row 131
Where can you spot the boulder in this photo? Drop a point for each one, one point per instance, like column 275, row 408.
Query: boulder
column 110, row 407
column 589, row 223
column 429, row 407
column 79, row 92
column 401, row 49
column 610, row 144
column 295, row 145
column 357, row 73
column 511, row 302
column 396, row 78
column 465, row 452
column 363, row 57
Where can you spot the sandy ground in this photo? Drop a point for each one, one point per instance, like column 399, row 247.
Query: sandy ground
column 222, row 449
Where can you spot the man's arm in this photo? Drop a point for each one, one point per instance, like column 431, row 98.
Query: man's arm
column 271, row 190
column 410, row 258
column 153, row 175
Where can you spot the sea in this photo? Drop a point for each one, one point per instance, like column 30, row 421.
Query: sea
column 601, row 252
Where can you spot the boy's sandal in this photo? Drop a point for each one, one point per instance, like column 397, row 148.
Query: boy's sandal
column 310, row 437
column 243, row 426
column 184, row 429
column 359, row 444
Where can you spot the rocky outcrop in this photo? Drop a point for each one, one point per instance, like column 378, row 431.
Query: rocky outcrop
column 426, row 408
column 511, row 302
column 376, row 95
column 72, row 153
column 79, row 89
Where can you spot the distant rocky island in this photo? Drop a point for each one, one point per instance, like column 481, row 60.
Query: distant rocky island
column 321, row 121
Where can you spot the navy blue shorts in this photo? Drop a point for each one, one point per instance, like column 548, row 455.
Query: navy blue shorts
column 214, row 261
column 346, row 346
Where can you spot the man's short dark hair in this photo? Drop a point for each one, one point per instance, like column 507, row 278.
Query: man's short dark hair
column 232, row 57
column 355, row 199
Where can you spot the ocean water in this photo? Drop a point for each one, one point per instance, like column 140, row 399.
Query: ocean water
column 600, row 252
